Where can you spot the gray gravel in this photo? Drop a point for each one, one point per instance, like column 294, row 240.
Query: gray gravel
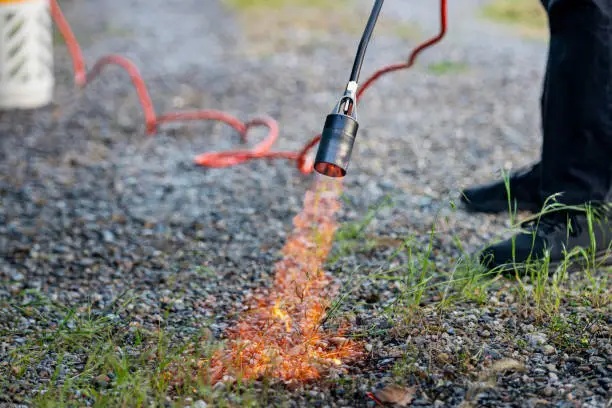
column 91, row 207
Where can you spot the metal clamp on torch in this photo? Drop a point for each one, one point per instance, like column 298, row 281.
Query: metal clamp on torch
column 340, row 129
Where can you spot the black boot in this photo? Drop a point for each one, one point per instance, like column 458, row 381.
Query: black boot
column 555, row 235
column 523, row 190
column 577, row 129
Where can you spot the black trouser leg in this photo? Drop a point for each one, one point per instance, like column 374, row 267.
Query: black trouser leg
column 577, row 102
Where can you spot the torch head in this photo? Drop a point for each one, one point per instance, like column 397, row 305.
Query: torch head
column 336, row 145
column 338, row 137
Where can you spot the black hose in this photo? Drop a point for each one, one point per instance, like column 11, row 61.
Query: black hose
column 365, row 40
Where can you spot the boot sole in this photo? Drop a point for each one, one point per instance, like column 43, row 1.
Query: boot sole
column 496, row 207
column 602, row 259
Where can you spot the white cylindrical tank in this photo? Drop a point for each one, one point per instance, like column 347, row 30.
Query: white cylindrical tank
column 26, row 54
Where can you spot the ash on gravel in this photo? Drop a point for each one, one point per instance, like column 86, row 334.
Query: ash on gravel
column 92, row 209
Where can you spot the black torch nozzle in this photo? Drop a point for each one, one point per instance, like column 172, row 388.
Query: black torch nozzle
column 340, row 129
column 338, row 137
column 336, row 145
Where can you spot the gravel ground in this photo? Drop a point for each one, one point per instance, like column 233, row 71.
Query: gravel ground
column 92, row 208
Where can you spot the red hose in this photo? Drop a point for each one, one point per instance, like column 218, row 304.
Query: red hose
column 216, row 159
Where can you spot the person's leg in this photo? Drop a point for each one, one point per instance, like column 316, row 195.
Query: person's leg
column 577, row 129
column 523, row 188
column 577, row 107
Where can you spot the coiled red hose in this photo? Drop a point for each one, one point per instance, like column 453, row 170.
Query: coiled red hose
column 216, row 159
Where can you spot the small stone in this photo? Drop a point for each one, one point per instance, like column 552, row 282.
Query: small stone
column 86, row 262
column 597, row 360
column 102, row 381
column 548, row 391
column 548, row 350
column 17, row 276
column 368, row 347
column 339, row 341
column 539, row 371
column 491, row 353
column 385, row 361
column 443, row 358
column 61, row 249
column 200, row 404
column 179, row 305
column 536, row 339
column 576, row 360
column 425, row 201
column 108, row 236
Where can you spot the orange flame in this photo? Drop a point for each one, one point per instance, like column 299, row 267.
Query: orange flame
column 281, row 335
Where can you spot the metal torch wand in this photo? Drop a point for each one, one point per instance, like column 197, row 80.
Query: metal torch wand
column 340, row 129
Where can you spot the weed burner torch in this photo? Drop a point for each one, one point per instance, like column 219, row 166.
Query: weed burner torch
column 340, row 129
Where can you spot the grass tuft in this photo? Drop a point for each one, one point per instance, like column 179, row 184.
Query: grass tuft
column 448, row 67
column 274, row 26
column 527, row 16
column 103, row 358
column 351, row 237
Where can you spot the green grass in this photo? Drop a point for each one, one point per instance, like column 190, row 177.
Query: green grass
column 423, row 295
column 402, row 31
column 269, row 26
column 420, row 286
column 448, row 67
column 571, row 334
column 101, row 359
column 527, row 16
column 352, row 238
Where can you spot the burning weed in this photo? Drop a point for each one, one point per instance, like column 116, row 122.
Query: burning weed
column 281, row 334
